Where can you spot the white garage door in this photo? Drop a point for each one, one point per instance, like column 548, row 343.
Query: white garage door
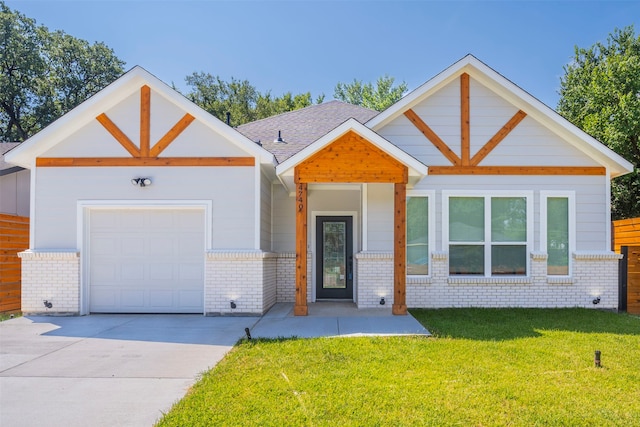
column 146, row 261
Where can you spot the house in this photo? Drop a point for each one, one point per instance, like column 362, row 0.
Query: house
column 14, row 185
column 466, row 192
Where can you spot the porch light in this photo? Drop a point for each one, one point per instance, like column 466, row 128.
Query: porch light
column 141, row 182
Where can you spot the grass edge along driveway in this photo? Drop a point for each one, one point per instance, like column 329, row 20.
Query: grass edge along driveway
column 483, row 367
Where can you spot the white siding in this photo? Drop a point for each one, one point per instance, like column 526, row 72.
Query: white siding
column 284, row 220
column 230, row 189
column 14, row 193
column 93, row 140
column 265, row 213
column 380, row 217
column 528, row 144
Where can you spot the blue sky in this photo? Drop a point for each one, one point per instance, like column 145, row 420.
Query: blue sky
column 301, row 46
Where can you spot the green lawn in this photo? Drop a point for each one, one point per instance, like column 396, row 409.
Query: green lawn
column 484, row 367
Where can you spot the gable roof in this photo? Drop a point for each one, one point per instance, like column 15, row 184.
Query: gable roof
column 5, row 168
column 513, row 94
column 127, row 84
column 299, row 128
column 285, row 170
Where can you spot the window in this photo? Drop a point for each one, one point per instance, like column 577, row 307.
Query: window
column 557, row 231
column 419, row 241
column 488, row 235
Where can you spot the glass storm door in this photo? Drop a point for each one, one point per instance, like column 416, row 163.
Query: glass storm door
column 334, row 264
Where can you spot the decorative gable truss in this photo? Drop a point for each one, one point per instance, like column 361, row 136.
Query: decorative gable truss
column 465, row 164
column 144, row 154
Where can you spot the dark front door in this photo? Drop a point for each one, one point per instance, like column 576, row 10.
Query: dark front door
column 334, row 249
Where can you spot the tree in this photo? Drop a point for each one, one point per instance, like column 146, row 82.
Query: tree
column 600, row 93
column 378, row 98
column 45, row 74
column 241, row 99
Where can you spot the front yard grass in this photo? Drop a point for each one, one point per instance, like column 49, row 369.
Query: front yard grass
column 483, row 367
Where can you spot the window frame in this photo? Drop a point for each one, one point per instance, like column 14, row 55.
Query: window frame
column 431, row 231
column 545, row 195
column 488, row 243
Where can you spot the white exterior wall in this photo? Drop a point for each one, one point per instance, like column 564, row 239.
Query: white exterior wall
column 50, row 276
column 379, row 220
column 229, row 188
column 265, row 213
column 14, row 193
column 246, row 277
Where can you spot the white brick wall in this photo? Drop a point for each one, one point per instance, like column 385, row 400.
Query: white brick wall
column 246, row 277
column 594, row 274
column 51, row 276
column 286, row 277
column 374, row 273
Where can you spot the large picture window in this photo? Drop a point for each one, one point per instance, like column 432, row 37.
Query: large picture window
column 489, row 235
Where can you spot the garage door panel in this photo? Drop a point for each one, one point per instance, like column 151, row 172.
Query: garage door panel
column 131, row 272
column 190, row 299
column 132, row 298
column 163, row 272
column 146, row 260
column 161, row 299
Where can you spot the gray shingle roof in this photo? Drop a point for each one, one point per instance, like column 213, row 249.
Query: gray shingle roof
column 6, row 168
column 300, row 128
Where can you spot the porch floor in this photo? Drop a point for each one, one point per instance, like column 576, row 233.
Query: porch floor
column 331, row 319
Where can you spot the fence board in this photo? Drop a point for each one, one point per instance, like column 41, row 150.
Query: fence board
column 14, row 238
column 633, row 280
column 626, row 232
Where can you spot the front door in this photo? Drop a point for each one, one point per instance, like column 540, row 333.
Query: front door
column 334, row 263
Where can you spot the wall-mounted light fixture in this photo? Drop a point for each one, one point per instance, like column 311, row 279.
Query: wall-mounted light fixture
column 47, row 304
column 382, row 301
column 141, row 182
column 596, row 301
column 232, row 303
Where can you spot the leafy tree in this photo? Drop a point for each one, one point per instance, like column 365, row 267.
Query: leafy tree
column 45, row 74
column 378, row 98
column 600, row 93
column 237, row 97
column 241, row 99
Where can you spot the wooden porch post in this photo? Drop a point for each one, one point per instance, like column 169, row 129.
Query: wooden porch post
column 300, row 308
column 400, row 250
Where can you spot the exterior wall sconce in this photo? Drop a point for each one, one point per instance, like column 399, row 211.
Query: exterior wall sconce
column 232, row 304
column 141, row 182
column 596, row 301
column 382, row 301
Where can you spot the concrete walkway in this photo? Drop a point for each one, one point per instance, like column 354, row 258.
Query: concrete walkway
column 126, row 370
column 330, row 319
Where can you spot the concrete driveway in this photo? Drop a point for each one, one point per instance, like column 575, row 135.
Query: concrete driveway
column 106, row 370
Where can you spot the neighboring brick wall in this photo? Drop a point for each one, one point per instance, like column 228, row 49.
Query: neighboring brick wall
column 245, row 277
column 51, row 276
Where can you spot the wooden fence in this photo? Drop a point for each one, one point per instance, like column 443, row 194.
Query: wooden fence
column 14, row 238
column 626, row 232
column 632, row 273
